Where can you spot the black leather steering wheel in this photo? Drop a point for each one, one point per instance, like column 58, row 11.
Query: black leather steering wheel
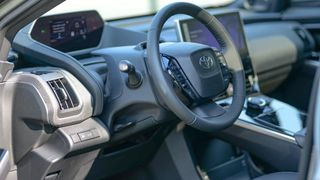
column 200, row 70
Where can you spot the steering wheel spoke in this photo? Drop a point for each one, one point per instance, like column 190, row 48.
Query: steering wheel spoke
column 209, row 110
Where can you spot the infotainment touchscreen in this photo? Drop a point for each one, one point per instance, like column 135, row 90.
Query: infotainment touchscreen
column 191, row 30
column 69, row 32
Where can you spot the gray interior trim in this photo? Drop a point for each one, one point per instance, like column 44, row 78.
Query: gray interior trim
column 54, row 155
column 264, row 131
column 5, row 70
column 42, row 54
column 25, row 80
column 272, row 51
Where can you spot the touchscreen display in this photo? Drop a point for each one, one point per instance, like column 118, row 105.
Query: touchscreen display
column 193, row 31
column 69, row 32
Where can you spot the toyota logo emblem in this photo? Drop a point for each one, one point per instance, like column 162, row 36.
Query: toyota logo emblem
column 206, row 62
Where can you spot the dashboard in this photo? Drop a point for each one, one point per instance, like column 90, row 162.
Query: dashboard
column 258, row 43
column 67, row 66
column 268, row 50
column 83, row 30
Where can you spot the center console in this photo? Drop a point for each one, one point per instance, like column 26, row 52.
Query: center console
column 271, row 117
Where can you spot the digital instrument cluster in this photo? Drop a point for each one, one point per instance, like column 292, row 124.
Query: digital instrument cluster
column 69, row 32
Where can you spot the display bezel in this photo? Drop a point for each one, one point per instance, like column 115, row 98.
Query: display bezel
column 93, row 40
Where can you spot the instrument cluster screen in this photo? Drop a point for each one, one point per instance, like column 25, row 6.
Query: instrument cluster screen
column 69, row 32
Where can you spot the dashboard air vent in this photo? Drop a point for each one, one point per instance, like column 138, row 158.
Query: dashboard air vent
column 64, row 93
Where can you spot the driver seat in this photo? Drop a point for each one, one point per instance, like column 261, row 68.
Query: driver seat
column 279, row 176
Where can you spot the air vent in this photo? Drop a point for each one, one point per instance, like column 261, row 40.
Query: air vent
column 64, row 93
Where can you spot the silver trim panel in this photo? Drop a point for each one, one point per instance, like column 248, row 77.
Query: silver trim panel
column 265, row 131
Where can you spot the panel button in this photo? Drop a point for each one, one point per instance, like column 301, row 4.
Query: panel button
column 222, row 60
column 95, row 133
column 75, row 138
column 87, row 135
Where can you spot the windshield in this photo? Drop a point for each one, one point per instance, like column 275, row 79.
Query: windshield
column 111, row 9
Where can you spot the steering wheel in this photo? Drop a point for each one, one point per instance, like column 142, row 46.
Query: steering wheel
column 199, row 70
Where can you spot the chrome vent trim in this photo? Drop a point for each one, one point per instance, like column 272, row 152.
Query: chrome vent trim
column 64, row 94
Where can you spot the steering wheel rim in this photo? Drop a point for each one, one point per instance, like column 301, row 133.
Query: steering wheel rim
column 168, row 96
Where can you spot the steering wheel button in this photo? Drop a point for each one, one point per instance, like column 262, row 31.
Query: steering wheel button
column 218, row 53
column 222, row 60
column 180, row 77
column 184, row 85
